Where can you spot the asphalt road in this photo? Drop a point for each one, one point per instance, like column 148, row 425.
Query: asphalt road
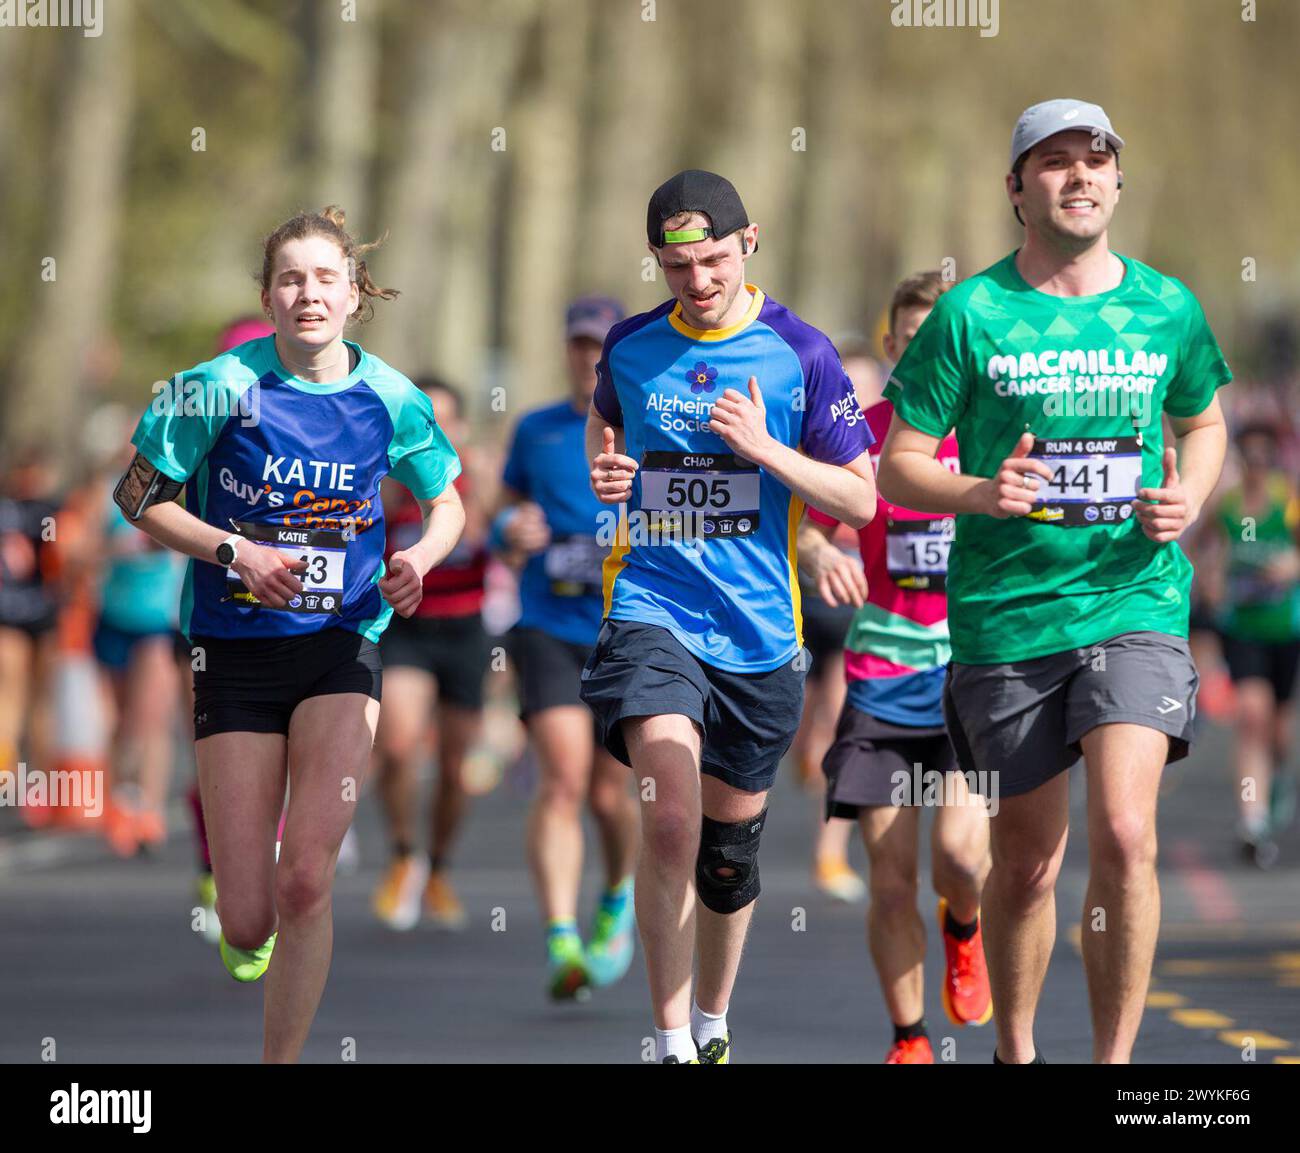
column 98, row 954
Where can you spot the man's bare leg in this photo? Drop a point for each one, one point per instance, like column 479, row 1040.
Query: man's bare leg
column 720, row 937
column 665, row 755
column 1121, row 912
column 563, row 743
column 959, row 850
column 1027, row 840
column 895, row 931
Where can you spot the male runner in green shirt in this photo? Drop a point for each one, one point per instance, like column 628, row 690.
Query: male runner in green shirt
column 1068, row 594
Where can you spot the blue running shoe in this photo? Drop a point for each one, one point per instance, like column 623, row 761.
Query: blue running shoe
column 609, row 952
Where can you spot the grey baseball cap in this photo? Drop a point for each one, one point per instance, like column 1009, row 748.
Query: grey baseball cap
column 1036, row 124
column 592, row 317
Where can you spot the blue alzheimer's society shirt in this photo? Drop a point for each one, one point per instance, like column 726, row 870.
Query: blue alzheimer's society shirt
column 731, row 595
column 560, row 589
column 296, row 466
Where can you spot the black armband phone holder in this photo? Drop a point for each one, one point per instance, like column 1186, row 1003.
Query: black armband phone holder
column 159, row 490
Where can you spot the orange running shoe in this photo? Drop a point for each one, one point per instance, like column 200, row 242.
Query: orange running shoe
column 1217, row 697
column 966, row 996
column 396, row 901
column 837, row 880
column 441, row 905
column 913, row 1051
column 118, row 825
column 150, row 828
column 810, row 775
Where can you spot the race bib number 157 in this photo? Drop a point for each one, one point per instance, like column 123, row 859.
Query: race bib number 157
column 916, row 553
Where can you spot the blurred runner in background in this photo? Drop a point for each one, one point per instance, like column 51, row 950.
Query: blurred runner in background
column 891, row 734
column 548, row 525
column 824, row 628
column 434, row 665
column 28, row 611
column 1256, row 589
column 868, row 375
column 138, row 647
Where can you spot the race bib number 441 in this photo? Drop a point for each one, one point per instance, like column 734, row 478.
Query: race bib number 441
column 719, row 491
column 1094, row 480
column 324, row 553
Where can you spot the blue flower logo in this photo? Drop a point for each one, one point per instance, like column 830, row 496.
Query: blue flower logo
column 701, row 377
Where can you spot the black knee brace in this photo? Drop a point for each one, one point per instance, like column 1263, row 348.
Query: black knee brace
column 728, row 846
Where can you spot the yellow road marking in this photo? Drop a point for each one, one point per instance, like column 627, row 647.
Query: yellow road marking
column 1284, row 965
column 1261, row 1039
column 1201, row 1018
column 1229, row 931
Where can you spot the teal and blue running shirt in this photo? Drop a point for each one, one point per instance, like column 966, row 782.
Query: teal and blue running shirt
column 293, row 465
column 560, row 587
column 141, row 590
column 730, row 595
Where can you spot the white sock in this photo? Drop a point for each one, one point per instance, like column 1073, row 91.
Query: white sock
column 675, row 1043
column 705, row 1026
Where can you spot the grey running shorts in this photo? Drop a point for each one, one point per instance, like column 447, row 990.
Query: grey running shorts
column 1023, row 721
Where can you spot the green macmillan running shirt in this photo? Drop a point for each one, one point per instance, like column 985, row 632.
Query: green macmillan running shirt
column 1089, row 376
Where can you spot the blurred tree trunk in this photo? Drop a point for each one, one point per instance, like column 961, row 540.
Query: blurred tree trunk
column 339, row 124
column 756, row 152
column 420, row 180
column 71, row 313
column 16, row 170
column 829, row 276
column 544, row 223
column 633, row 148
column 464, row 323
column 9, row 96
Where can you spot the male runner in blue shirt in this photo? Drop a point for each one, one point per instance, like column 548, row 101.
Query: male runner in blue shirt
column 716, row 417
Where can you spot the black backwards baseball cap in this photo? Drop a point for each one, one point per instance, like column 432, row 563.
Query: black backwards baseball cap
column 695, row 191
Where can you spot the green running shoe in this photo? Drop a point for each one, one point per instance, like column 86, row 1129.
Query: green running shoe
column 717, row 1051
column 247, row 964
column 567, row 976
column 609, row 952
column 1281, row 801
column 205, row 890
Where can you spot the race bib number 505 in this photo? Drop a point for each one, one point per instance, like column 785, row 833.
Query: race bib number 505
column 1094, row 480
column 324, row 552
column 719, row 491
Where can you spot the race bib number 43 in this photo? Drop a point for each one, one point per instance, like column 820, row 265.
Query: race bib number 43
column 719, row 492
column 1094, row 480
column 324, row 552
